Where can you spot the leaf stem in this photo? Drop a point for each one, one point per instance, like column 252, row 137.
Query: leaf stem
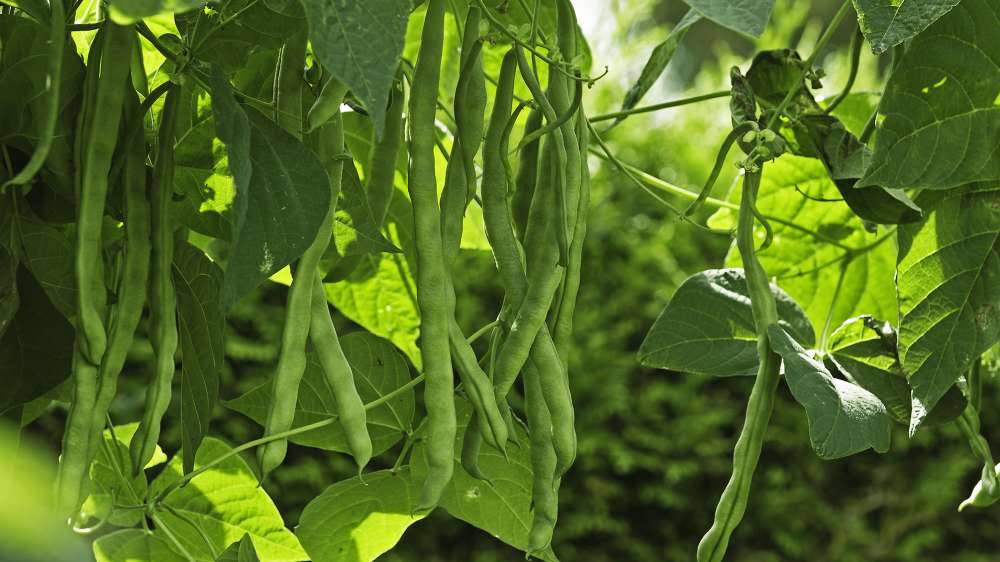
column 659, row 106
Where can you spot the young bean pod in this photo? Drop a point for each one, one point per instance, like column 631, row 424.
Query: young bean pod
column 104, row 93
column 544, row 484
column 163, row 299
column 732, row 505
column 292, row 358
column 432, row 278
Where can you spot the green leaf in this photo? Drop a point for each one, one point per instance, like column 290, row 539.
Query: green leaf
column 502, row 509
column 356, row 231
column 658, row 61
column 36, row 350
column 241, row 551
column 844, row 418
column 113, row 486
column 948, row 281
column 9, row 300
column 282, row 194
column 359, row 520
column 225, row 502
column 942, row 116
column 378, row 370
column 745, row 16
column 48, row 254
column 200, row 324
column 125, row 12
column 360, row 43
column 708, row 327
column 380, row 295
column 134, row 545
column 863, row 349
column 887, row 23
column 818, row 245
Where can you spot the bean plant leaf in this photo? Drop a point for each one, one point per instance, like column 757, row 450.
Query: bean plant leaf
column 708, row 326
column 658, row 61
column 887, row 23
column 115, row 493
column 134, row 545
column 225, row 502
column 948, row 282
column 360, row 520
column 360, row 43
column 125, row 12
column 355, row 228
column 745, row 16
column 241, row 551
column 941, row 108
column 9, row 301
column 378, row 370
column 822, row 255
column 48, row 254
column 36, row 349
column 200, row 324
column 844, row 418
column 503, row 509
column 863, row 350
column 282, row 194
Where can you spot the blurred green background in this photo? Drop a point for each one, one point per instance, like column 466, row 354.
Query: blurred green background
column 655, row 447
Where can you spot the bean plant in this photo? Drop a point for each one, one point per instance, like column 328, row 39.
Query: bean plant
column 163, row 160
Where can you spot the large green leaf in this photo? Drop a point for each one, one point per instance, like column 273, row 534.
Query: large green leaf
column 48, row 254
column 358, row 520
column 200, row 324
column 822, row 254
column 948, row 280
column 863, row 349
column 502, row 509
column 36, row 350
column 844, row 418
column 746, row 16
column 225, row 502
column 378, row 370
column 134, row 545
column 360, row 43
column 356, row 230
column 942, row 116
column 282, row 193
column 887, row 23
column 708, row 327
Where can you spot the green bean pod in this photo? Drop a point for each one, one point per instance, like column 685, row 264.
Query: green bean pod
column 163, row 299
column 478, row 387
column 292, row 357
column 472, row 442
column 133, row 277
column 980, row 496
column 326, row 106
column 381, row 180
column 527, row 172
column 732, row 505
column 432, row 278
column 57, row 48
column 288, row 81
column 104, row 93
column 322, row 332
column 544, row 483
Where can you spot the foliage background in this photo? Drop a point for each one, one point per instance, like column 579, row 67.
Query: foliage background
column 655, row 447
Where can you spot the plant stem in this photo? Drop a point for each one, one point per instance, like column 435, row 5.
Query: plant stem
column 659, row 106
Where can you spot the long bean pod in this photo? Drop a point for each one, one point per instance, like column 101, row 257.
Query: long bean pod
column 163, row 299
column 527, row 172
column 104, row 96
column 544, row 483
column 732, row 505
column 432, row 276
column 380, row 183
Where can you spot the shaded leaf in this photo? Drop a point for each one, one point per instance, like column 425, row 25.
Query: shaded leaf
column 360, row 43
column 708, row 326
column 356, row 230
column 113, row 488
column 48, row 254
column 200, row 324
column 241, row 551
column 844, row 418
column 745, row 16
column 948, row 282
column 887, row 23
